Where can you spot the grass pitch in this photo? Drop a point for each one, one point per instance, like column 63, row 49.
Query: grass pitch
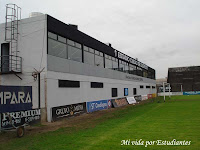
column 178, row 118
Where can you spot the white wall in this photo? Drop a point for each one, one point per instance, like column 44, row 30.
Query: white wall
column 170, row 93
column 33, row 49
column 64, row 96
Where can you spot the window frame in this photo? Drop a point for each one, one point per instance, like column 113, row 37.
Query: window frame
column 148, row 86
column 68, row 84
column 134, row 91
column 126, row 94
column 96, row 85
column 58, row 42
column 114, row 92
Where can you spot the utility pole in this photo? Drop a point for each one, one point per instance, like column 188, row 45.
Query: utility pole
column 39, row 90
column 38, row 75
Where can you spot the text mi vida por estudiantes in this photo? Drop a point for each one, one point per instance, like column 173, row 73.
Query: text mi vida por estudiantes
column 156, row 142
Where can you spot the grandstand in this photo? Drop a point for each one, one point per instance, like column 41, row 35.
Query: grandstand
column 184, row 78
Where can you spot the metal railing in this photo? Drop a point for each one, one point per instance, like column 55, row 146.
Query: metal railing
column 10, row 64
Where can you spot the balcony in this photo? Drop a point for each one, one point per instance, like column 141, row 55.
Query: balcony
column 10, row 64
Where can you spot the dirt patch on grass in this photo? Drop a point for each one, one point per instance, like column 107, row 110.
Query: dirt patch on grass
column 83, row 121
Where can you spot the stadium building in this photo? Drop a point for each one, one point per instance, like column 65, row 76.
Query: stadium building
column 48, row 64
column 184, row 79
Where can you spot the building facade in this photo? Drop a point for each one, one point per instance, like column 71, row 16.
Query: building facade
column 73, row 67
column 184, row 79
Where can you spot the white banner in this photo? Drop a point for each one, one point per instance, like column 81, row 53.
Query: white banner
column 144, row 97
column 131, row 100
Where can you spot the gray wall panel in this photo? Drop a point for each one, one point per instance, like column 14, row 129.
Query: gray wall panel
column 57, row 64
column 68, row 66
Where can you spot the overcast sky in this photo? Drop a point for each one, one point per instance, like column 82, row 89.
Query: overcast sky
column 160, row 33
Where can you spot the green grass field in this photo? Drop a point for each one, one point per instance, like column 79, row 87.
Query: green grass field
column 178, row 118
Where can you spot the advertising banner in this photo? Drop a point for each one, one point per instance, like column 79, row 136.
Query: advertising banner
column 154, row 95
column 144, row 97
column 138, row 97
column 131, row 100
column 109, row 104
column 149, row 96
column 68, row 110
column 16, row 119
column 192, row 93
column 15, row 98
column 97, row 105
column 119, row 102
column 175, row 93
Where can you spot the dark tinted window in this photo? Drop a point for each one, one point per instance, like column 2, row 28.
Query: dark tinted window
column 5, row 62
column 68, row 83
column 96, row 85
column 134, row 91
column 114, row 92
column 141, row 86
column 148, row 87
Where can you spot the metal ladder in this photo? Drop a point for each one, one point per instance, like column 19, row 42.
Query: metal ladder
column 12, row 18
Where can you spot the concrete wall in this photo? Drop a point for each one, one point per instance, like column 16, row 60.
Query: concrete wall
column 64, row 69
column 64, row 96
column 170, row 93
column 68, row 66
column 32, row 48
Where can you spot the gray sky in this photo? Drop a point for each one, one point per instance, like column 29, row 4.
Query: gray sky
column 160, row 33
